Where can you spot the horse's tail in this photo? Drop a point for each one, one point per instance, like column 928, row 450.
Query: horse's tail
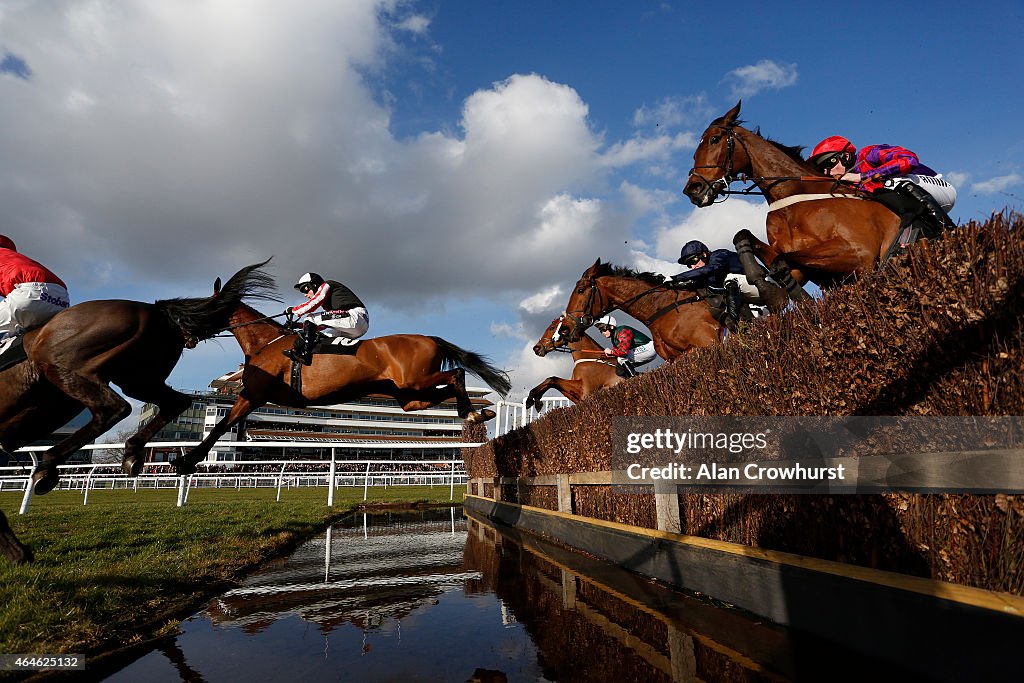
column 203, row 318
column 480, row 366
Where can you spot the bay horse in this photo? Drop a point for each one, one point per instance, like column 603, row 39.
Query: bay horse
column 818, row 229
column 75, row 357
column 416, row 370
column 679, row 321
column 591, row 369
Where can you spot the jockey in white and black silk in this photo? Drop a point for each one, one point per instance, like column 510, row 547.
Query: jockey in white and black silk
column 32, row 293
column 343, row 313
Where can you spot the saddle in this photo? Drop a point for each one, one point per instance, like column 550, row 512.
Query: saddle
column 12, row 352
column 337, row 346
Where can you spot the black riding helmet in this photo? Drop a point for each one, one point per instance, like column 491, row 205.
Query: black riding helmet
column 309, row 281
column 693, row 251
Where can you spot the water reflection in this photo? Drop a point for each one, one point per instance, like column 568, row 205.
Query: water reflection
column 430, row 596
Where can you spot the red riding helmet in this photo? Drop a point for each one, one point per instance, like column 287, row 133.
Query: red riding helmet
column 828, row 151
column 6, row 243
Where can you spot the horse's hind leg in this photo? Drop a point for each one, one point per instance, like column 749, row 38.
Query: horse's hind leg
column 774, row 297
column 107, row 409
column 169, row 403
column 441, row 386
column 13, row 549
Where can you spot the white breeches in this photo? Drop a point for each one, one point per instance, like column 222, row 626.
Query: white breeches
column 350, row 326
column 30, row 305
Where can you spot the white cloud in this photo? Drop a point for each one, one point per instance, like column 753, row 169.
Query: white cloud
column 641, row 148
column 715, row 225
column 997, row 184
column 674, row 111
column 415, row 23
column 544, row 301
column 749, row 80
column 956, row 178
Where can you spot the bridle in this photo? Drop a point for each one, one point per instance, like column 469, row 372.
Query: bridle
column 720, row 188
column 550, row 343
column 586, row 318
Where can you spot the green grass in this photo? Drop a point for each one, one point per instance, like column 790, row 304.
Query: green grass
column 129, row 565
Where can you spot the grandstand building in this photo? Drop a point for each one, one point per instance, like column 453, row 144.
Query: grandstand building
column 375, row 422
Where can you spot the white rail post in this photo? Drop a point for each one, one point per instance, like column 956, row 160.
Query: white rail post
column 366, row 487
column 280, row 478
column 181, row 490
column 330, row 481
column 452, row 496
column 28, row 486
column 88, row 480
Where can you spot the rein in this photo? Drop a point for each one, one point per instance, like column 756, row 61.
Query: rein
column 264, row 319
column 721, row 186
column 586, row 320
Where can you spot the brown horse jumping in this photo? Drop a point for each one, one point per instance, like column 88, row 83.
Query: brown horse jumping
column 678, row 321
column 416, row 370
column 77, row 354
column 590, row 371
column 818, row 229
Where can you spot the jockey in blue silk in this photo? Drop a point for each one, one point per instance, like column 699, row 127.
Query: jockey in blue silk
column 719, row 268
column 630, row 346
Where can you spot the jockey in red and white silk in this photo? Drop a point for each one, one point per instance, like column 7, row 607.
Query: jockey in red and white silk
column 32, row 293
column 344, row 314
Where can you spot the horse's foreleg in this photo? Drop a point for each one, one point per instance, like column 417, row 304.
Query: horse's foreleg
column 169, row 403
column 186, row 464
column 747, row 247
column 13, row 549
column 572, row 389
column 107, row 409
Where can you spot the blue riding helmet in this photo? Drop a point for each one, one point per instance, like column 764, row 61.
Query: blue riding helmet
column 693, row 251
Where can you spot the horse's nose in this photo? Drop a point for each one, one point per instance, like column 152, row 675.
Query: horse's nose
column 692, row 189
column 539, row 350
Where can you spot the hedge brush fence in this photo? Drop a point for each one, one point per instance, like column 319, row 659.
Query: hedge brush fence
column 936, row 331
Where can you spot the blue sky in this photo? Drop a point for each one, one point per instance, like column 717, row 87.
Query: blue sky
column 458, row 164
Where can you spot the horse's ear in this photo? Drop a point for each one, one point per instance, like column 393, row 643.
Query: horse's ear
column 216, row 287
column 731, row 115
column 597, row 262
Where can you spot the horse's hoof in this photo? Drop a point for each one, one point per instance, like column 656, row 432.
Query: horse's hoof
column 18, row 554
column 486, row 414
column 183, row 468
column 132, row 466
column 44, row 481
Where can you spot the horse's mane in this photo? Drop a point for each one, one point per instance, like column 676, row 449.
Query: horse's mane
column 794, row 152
column 612, row 270
column 205, row 317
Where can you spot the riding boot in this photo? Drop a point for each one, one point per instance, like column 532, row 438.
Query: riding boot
column 733, row 301
column 302, row 350
column 941, row 219
column 626, row 369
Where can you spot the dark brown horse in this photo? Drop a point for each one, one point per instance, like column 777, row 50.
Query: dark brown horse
column 679, row 321
column 818, row 229
column 591, row 369
column 416, row 370
column 75, row 357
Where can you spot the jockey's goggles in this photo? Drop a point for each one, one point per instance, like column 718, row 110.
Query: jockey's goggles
column 691, row 261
